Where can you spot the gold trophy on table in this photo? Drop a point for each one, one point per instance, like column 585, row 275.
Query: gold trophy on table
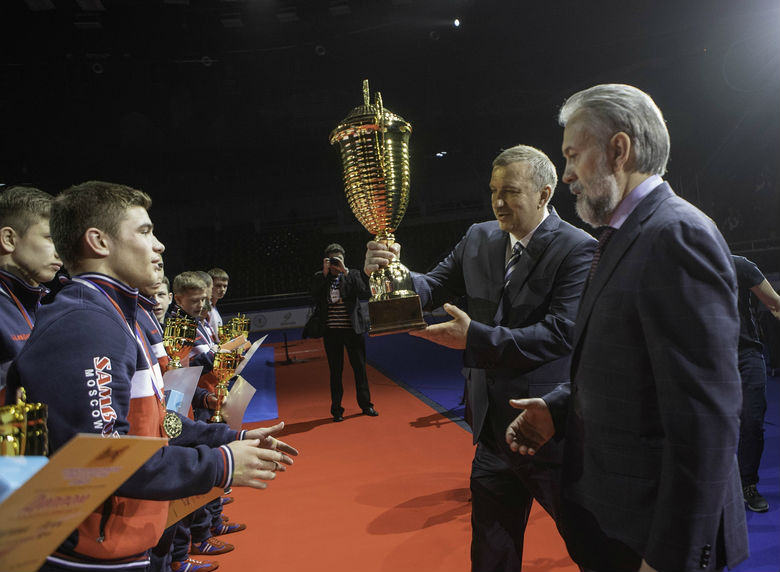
column 23, row 428
column 179, row 337
column 225, row 364
column 374, row 148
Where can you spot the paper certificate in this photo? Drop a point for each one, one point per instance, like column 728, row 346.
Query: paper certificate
column 39, row 515
column 235, row 404
column 250, row 354
column 179, row 385
column 180, row 508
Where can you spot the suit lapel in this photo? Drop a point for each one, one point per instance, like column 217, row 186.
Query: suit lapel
column 496, row 255
column 618, row 246
column 533, row 253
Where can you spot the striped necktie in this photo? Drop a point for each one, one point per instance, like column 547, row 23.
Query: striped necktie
column 604, row 237
column 517, row 251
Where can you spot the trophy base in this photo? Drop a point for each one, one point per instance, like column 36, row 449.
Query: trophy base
column 395, row 316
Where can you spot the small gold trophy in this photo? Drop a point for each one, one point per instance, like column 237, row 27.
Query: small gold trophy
column 23, row 428
column 240, row 326
column 179, row 337
column 225, row 333
column 374, row 148
column 236, row 328
column 225, row 364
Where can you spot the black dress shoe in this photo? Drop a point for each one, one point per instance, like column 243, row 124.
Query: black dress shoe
column 338, row 418
column 371, row 412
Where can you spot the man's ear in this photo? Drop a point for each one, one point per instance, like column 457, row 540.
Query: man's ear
column 177, row 299
column 544, row 195
column 8, row 239
column 620, row 151
column 96, row 243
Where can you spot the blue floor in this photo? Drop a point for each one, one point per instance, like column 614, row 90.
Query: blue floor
column 764, row 528
column 433, row 373
column 260, row 373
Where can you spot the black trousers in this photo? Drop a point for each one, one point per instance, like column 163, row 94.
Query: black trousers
column 752, row 370
column 501, row 498
column 336, row 341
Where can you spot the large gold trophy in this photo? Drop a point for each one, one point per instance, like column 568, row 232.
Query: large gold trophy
column 23, row 428
column 374, row 147
column 179, row 337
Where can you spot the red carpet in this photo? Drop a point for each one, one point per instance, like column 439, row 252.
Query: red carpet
column 385, row 493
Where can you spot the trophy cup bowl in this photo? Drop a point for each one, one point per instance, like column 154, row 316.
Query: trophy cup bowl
column 225, row 333
column 225, row 364
column 13, row 431
column 23, row 429
column 240, row 326
column 179, row 337
column 374, row 149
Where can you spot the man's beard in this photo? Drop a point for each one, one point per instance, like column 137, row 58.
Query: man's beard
column 596, row 205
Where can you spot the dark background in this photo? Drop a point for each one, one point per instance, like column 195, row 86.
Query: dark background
column 221, row 111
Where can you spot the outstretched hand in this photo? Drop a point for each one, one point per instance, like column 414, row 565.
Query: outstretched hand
column 253, row 464
column 532, row 428
column 450, row 334
column 268, row 441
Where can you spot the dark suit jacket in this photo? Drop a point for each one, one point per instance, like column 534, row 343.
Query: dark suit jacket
column 528, row 354
column 353, row 288
column 655, row 393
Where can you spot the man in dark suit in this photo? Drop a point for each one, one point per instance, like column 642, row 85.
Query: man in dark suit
column 521, row 276
column 337, row 292
column 650, row 472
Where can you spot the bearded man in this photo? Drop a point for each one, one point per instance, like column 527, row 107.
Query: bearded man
column 650, row 475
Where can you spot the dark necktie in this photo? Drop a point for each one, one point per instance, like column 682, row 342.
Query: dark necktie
column 517, row 251
column 604, row 237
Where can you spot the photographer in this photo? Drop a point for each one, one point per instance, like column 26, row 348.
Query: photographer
column 337, row 292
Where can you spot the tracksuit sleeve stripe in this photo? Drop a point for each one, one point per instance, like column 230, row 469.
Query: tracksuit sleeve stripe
column 227, row 475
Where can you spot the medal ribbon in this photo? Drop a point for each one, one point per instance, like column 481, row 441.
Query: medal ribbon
column 7, row 290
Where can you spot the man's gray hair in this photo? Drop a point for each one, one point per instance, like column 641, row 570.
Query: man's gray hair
column 615, row 107
column 542, row 169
